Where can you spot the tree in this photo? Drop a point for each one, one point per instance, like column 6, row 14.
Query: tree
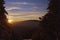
column 5, row 31
column 51, row 21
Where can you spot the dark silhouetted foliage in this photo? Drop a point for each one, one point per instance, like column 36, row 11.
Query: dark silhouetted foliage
column 51, row 21
column 5, row 31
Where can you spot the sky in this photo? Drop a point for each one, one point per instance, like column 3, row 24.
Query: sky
column 26, row 9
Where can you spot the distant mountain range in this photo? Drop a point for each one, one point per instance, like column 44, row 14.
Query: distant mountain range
column 26, row 28
column 26, row 24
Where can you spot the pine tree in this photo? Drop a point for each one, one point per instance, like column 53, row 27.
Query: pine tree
column 5, row 31
column 3, row 18
column 51, row 21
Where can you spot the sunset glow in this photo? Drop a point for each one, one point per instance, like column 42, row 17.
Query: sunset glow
column 10, row 21
column 26, row 9
column 21, row 10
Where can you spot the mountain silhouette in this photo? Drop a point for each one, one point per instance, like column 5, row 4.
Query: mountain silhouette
column 26, row 28
column 26, row 24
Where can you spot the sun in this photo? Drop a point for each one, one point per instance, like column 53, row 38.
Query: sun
column 10, row 21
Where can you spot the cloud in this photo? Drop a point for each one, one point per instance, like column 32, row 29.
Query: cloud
column 22, row 3
column 25, row 15
column 22, row 6
column 19, row 14
column 12, row 8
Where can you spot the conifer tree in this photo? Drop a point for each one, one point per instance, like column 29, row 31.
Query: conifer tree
column 5, row 31
column 3, row 18
column 51, row 21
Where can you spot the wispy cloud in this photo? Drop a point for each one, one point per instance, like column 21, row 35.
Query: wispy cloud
column 12, row 8
column 19, row 14
column 24, row 6
column 22, row 3
column 25, row 15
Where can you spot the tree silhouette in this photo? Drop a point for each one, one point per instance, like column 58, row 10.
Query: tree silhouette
column 51, row 21
column 3, row 19
column 5, row 31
